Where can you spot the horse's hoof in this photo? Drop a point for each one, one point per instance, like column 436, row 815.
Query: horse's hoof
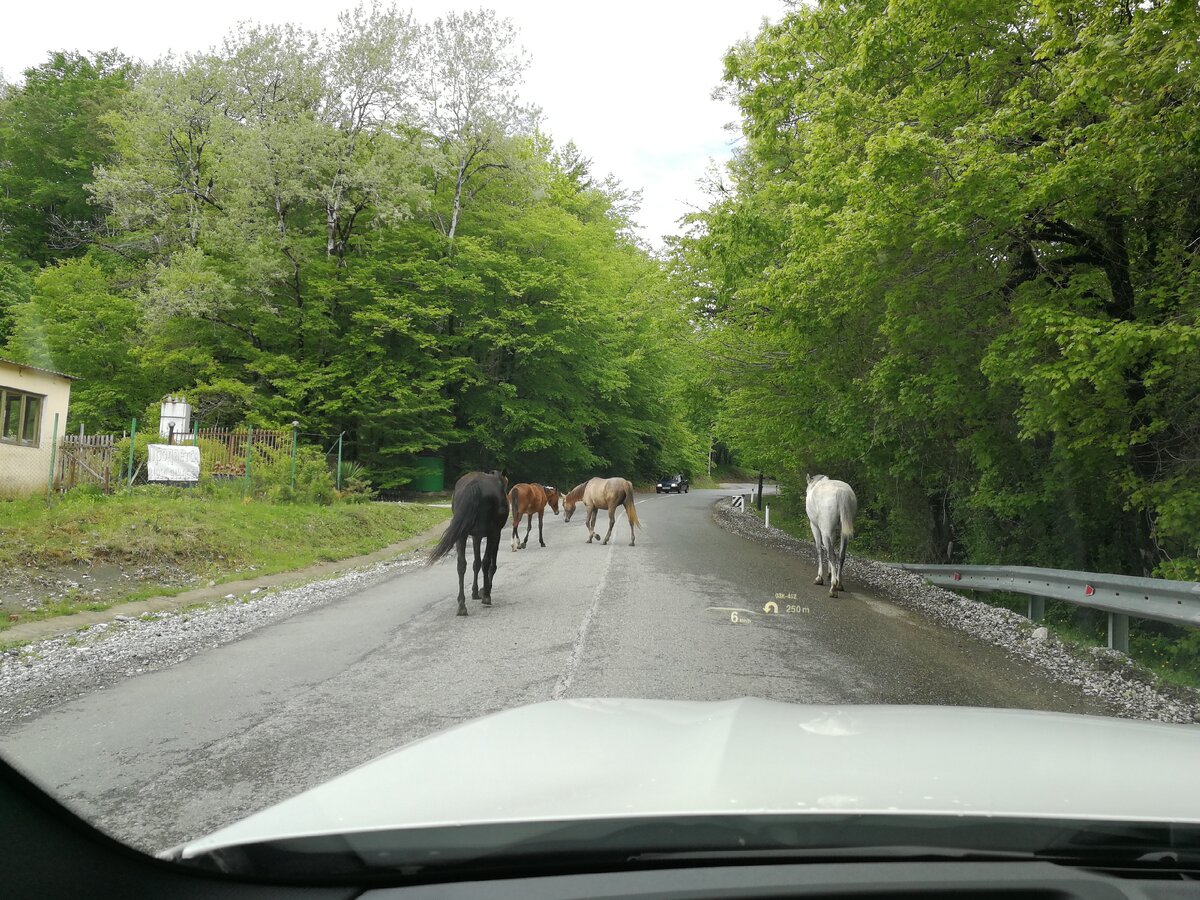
column 486, row 601
column 462, row 611
column 833, row 593
column 818, row 580
column 474, row 595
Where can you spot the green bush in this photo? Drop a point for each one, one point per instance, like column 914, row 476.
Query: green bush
column 141, row 453
column 271, row 476
column 355, row 483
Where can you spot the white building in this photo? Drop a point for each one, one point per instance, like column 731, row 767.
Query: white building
column 29, row 400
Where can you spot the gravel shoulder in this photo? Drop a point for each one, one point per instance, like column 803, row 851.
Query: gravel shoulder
column 1098, row 672
column 45, row 673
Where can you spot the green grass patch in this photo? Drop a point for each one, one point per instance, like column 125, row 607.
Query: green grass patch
column 156, row 541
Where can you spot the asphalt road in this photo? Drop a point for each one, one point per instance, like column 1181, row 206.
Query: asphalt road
column 173, row 754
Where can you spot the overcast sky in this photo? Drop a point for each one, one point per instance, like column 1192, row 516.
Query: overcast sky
column 629, row 82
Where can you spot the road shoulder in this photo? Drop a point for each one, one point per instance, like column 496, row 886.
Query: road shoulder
column 63, row 625
column 1105, row 674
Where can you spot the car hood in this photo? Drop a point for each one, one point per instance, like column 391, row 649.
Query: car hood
column 589, row 758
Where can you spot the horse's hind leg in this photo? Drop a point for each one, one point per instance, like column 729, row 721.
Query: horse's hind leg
column 462, row 572
column 590, row 521
column 819, row 541
column 835, row 570
column 841, row 562
column 475, row 581
column 632, row 536
column 528, row 528
column 491, row 552
column 541, row 541
column 516, row 541
column 612, row 518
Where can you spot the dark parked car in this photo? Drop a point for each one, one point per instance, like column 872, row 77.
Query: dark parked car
column 672, row 483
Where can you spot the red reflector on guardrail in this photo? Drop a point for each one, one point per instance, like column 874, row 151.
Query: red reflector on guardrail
column 1088, row 590
column 957, row 577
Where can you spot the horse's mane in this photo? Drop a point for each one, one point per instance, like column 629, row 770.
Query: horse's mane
column 576, row 493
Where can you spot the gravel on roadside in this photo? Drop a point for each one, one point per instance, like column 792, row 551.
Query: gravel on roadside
column 1098, row 672
column 45, row 673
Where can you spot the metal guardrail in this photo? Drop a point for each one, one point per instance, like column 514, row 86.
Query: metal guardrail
column 1121, row 596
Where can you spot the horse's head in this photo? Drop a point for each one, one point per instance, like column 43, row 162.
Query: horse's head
column 568, row 508
column 552, row 497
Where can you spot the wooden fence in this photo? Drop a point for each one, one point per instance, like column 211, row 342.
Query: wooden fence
column 91, row 459
column 85, row 459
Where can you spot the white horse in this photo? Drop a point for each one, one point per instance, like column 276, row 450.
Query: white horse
column 831, row 506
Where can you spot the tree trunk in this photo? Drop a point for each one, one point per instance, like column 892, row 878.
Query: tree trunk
column 331, row 232
column 458, row 189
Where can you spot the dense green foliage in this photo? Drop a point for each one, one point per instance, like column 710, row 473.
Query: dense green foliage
column 956, row 264
column 50, row 141
column 366, row 233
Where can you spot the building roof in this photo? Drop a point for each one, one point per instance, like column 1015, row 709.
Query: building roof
column 13, row 362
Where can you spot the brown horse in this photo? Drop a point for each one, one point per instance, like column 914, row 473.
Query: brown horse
column 607, row 493
column 526, row 500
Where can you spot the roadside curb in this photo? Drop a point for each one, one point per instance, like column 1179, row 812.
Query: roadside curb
column 61, row 625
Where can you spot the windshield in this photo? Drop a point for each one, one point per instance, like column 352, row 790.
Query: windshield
column 343, row 351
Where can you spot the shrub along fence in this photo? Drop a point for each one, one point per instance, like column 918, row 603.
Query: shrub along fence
column 275, row 463
column 226, row 454
column 280, row 463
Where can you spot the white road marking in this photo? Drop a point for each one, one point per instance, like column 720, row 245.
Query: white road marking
column 564, row 680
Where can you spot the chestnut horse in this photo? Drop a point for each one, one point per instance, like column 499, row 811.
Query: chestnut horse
column 480, row 509
column 526, row 500
column 607, row 493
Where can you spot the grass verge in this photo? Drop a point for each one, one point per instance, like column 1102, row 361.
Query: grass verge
column 90, row 552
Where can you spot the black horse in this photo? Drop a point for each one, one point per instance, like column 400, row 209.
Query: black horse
column 480, row 506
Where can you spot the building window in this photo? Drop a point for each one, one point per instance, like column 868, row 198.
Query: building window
column 20, row 417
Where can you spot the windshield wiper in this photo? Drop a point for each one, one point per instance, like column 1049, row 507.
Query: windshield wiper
column 1110, row 858
column 839, row 854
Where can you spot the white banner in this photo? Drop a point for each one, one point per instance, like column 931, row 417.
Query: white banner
column 173, row 463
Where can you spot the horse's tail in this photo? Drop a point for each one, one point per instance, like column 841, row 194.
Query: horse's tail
column 450, row 537
column 514, row 503
column 631, row 506
column 460, row 522
column 846, row 510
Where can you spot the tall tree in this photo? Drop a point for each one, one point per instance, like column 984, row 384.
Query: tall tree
column 277, row 216
column 74, row 323
column 472, row 68
column 51, row 138
column 957, row 260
